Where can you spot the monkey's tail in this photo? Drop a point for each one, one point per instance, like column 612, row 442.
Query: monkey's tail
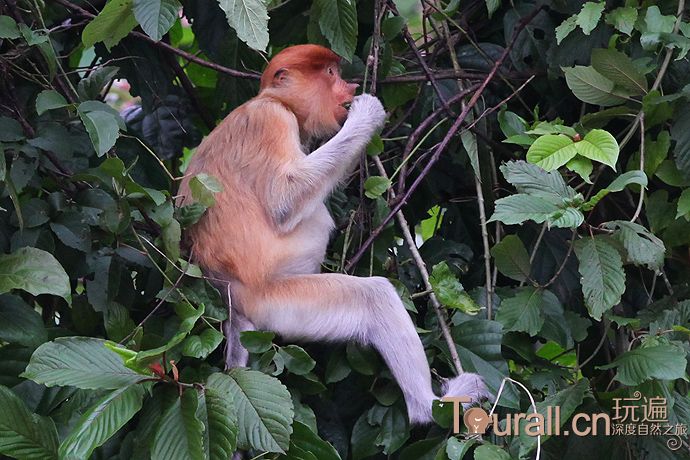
column 467, row 384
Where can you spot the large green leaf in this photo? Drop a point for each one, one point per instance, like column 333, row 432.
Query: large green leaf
column 603, row 277
column 34, row 271
column 623, row 18
column 19, row 323
column 102, row 421
column 156, row 17
column 24, row 435
column 249, row 18
column 8, row 28
column 511, row 258
column 642, row 247
column 664, row 362
column 589, row 16
column 82, row 362
column 338, row 23
column 49, row 99
column 522, row 312
column 112, row 24
column 533, row 180
column 551, row 151
column 219, row 418
column 200, row 346
column 103, row 128
column 567, row 400
column 479, row 346
column 619, row 68
column 599, row 145
column 516, row 209
column 450, row 291
column 180, row 434
column 307, row 445
column 590, row 86
column 490, row 452
column 264, row 408
column 618, row 184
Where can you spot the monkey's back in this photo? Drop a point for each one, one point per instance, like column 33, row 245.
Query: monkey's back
column 236, row 237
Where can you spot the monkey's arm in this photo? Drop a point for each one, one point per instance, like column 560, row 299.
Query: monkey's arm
column 310, row 179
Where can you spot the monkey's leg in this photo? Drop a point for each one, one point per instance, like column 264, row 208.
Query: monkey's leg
column 235, row 353
column 340, row 307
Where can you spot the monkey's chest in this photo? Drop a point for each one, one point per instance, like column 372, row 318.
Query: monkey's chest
column 308, row 241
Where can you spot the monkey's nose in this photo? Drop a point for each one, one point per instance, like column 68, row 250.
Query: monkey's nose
column 352, row 87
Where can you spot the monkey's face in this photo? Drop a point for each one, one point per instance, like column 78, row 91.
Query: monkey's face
column 342, row 93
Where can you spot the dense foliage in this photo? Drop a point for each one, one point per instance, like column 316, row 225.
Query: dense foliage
column 529, row 197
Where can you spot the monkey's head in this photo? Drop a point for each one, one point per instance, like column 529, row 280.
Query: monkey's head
column 306, row 78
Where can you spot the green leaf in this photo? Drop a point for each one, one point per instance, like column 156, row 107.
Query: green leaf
column 103, row 128
column 479, row 346
column 91, row 86
column 683, row 203
column 449, row 291
column 533, row 180
column 34, row 271
column 264, row 408
column 492, row 6
column 590, row 86
column 81, row 362
column 567, row 400
column 469, row 142
column 156, row 17
column 522, row 312
column 49, row 99
column 10, row 130
column 589, row 16
column 101, row 421
column 307, row 445
column 376, row 186
column 296, row 359
column 511, row 258
column 619, row 68
column 490, row 452
column 565, row 28
column 112, row 24
column 392, row 26
column 643, row 248
column 456, row 449
column 622, row 181
column 257, row 341
column 220, row 420
column 19, row 323
column 599, row 145
column 188, row 316
column 516, row 209
column 582, row 166
column 180, row 434
column 24, row 435
column 623, row 18
column 338, row 23
column 8, row 28
column 603, row 277
column 203, row 187
column 249, row 18
column 663, row 362
column 551, row 151
column 202, row 345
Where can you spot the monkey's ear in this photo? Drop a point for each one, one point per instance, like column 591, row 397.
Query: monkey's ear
column 280, row 77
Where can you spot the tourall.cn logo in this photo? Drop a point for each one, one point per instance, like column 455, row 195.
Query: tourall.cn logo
column 476, row 420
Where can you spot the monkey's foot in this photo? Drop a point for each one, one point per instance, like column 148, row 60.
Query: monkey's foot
column 467, row 384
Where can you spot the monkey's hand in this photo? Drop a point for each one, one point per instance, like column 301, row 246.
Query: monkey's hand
column 366, row 112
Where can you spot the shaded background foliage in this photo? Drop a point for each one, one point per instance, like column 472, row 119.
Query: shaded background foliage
column 567, row 272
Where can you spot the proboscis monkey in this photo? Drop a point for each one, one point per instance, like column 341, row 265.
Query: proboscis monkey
column 268, row 231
